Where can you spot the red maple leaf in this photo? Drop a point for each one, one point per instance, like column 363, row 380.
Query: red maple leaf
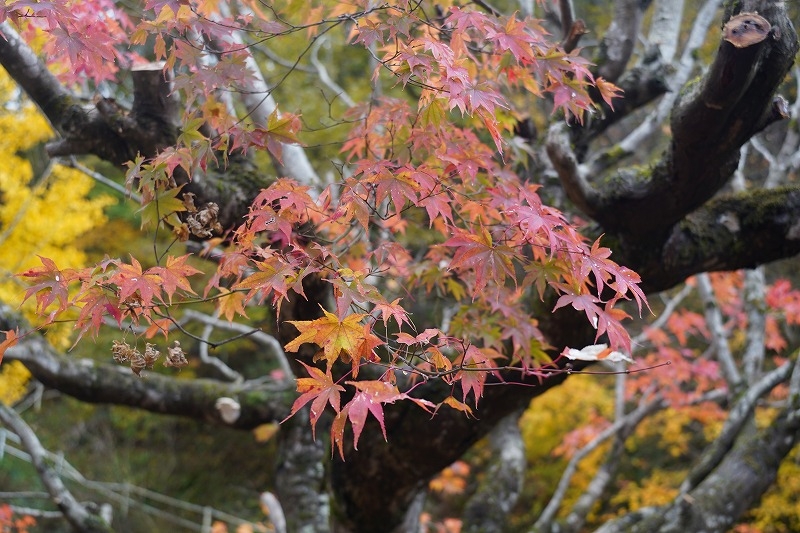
column 320, row 388
column 392, row 310
column 174, row 275
column 131, row 279
column 49, row 285
column 96, row 303
column 478, row 252
column 368, row 399
column 475, row 364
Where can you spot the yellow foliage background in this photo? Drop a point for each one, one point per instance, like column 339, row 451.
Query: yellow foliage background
column 42, row 214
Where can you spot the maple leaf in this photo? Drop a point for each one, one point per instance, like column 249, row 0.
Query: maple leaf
column 273, row 274
column 334, row 336
column 369, row 399
column 49, row 285
column 130, row 279
column 96, row 303
column 281, row 129
column 161, row 325
column 422, row 338
column 399, row 186
column 609, row 322
column 450, row 401
column 162, row 206
column 581, row 302
column 477, row 252
column 608, row 90
column 12, row 337
column 174, row 275
column 392, row 310
column 320, row 388
column 365, row 350
column 352, row 286
column 474, row 363
column 231, row 304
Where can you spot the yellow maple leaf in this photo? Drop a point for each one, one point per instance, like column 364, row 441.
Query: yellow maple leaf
column 335, row 337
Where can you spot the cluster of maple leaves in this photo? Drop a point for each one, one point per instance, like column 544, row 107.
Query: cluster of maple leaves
column 437, row 161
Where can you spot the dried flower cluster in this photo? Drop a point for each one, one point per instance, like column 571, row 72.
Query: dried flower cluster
column 125, row 353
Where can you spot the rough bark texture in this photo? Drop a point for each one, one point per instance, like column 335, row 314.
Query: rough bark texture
column 489, row 507
column 300, row 477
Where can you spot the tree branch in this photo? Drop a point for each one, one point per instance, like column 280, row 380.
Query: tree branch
column 624, row 425
column 93, row 382
column 737, row 418
column 619, row 40
column 81, row 520
column 711, row 120
column 728, row 233
column 719, row 336
column 32, row 75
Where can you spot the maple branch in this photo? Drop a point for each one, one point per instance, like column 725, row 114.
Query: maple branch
column 738, row 417
column 651, row 125
column 260, row 105
column 570, row 172
column 100, row 178
column 742, row 472
column 75, row 512
column 322, row 73
column 275, row 350
column 22, row 64
column 754, row 305
column 572, row 29
column 665, row 28
column 640, row 85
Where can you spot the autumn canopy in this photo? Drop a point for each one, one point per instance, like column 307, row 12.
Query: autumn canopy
column 465, row 206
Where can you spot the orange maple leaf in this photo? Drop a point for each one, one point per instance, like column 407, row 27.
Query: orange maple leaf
column 320, row 388
column 12, row 337
column 334, row 336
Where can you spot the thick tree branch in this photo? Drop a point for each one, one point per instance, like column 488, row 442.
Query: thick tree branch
column 737, row 419
column 652, row 124
column 93, row 382
column 728, row 233
column 32, row 75
column 107, row 130
column 620, row 38
column 711, row 120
